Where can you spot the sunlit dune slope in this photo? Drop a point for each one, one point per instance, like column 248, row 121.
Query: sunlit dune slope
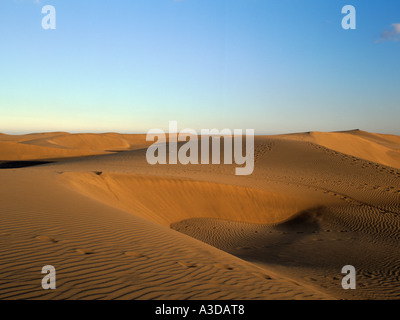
column 167, row 200
column 380, row 148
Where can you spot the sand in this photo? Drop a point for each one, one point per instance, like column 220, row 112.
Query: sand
column 115, row 227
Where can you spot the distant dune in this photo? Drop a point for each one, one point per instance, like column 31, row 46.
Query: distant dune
column 116, row 227
column 62, row 145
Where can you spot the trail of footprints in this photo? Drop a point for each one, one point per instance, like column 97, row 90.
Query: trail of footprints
column 183, row 264
column 135, row 254
column 359, row 162
column 84, row 251
column 316, row 184
column 352, row 201
column 260, row 150
column 390, row 189
column 52, row 240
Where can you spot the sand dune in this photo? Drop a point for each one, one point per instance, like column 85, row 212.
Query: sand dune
column 180, row 199
column 104, row 253
column 109, row 222
column 378, row 148
column 58, row 145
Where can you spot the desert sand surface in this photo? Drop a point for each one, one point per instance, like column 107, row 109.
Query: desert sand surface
column 115, row 227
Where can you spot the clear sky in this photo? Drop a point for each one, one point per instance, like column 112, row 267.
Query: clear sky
column 128, row 66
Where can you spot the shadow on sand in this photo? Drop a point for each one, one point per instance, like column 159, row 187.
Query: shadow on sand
column 21, row 164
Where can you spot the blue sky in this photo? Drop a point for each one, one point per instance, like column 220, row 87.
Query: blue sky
column 275, row 66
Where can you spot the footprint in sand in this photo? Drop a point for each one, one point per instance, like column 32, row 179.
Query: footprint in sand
column 243, row 248
column 46, row 239
column 187, row 264
column 135, row 254
column 311, row 279
column 223, row 266
column 84, row 251
column 262, row 275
